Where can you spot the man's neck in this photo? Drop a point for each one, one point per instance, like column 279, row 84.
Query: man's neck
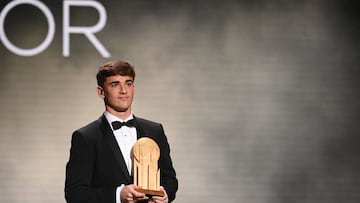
column 122, row 115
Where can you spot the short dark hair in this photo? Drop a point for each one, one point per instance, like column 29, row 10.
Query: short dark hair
column 116, row 67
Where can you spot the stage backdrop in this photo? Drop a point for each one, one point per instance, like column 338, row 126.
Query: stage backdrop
column 259, row 99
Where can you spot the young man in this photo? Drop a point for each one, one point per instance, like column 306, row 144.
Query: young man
column 99, row 167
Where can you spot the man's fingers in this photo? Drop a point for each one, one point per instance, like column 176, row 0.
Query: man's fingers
column 129, row 197
column 129, row 194
column 159, row 199
column 137, row 194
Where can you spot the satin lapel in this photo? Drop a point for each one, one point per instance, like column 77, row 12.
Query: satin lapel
column 114, row 147
column 139, row 130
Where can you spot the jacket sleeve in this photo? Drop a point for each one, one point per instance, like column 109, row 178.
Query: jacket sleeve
column 167, row 171
column 79, row 174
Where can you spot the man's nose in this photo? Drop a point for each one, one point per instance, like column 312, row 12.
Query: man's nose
column 122, row 89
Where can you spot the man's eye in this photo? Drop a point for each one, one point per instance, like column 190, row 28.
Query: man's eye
column 113, row 84
column 129, row 84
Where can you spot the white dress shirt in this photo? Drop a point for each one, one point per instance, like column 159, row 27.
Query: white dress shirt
column 126, row 138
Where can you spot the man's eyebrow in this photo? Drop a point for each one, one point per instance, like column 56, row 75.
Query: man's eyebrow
column 114, row 82
column 117, row 82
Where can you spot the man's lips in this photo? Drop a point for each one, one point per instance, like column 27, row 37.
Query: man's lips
column 123, row 98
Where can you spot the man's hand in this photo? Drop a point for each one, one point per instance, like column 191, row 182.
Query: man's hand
column 128, row 194
column 158, row 199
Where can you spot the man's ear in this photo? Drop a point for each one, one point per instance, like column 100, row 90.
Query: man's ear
column 100, row 92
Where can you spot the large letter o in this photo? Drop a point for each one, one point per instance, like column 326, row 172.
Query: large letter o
column 44, row 44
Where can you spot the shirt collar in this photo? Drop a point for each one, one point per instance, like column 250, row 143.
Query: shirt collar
column 111, row 118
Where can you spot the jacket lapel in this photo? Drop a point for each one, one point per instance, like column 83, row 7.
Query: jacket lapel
column 114, row 147
column 139, row 130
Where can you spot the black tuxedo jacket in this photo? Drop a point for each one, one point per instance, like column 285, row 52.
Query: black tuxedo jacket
column 96, row 166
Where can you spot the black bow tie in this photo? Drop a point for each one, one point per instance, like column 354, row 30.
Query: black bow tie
column 117, row 124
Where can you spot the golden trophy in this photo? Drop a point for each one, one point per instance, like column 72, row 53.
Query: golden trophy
column 145, row 155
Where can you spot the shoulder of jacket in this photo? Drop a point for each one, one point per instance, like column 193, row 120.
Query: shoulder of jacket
column 147, row 122
column 91, row 130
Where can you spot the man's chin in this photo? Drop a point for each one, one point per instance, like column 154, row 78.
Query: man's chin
column 118, row 109
column 122, row 110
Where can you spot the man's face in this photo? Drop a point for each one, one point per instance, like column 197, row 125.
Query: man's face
column 118, row 93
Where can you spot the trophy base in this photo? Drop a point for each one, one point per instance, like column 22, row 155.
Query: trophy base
column 151, row 193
